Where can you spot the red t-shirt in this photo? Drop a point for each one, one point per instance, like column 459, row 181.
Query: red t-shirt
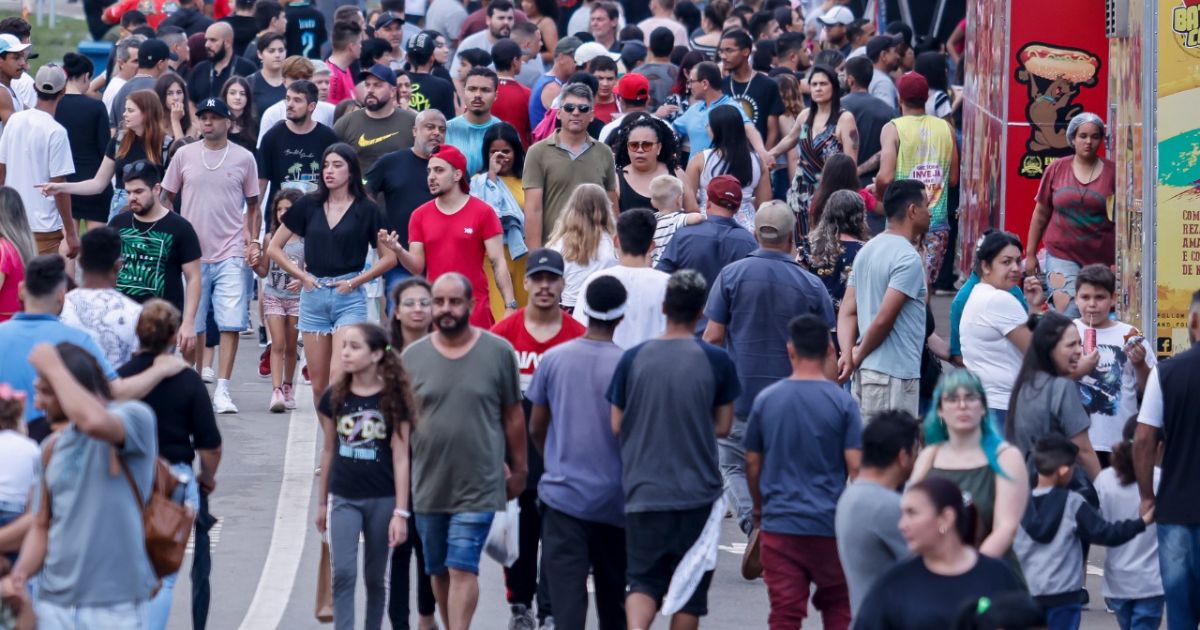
column 605, row 111
column 341, row 84
column 1079, row 229
column 454, row 242
column 512, row 106
column 530, row 350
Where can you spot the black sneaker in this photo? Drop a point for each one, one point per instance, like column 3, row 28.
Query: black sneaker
column 262, row 337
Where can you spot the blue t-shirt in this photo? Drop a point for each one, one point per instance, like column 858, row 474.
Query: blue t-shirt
column 888, row 261
column 755, row 298
column 693, row 123
column 20, row 334
column 468, row 138
column 707, row 247
column 668, row 390
column 802, row 429
column 960, row 301
column 583, row 459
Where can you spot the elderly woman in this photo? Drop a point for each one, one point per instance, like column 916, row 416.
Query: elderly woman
column 1072, row 213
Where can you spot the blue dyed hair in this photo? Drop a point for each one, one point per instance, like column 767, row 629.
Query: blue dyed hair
column 935, row 428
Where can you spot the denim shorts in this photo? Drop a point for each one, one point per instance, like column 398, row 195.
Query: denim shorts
column 223, row 285
column 324, row 310
column 124, row 615
column 453, row 541
column 1060, row 278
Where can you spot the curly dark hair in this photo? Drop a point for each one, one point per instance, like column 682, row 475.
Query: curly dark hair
column 668, row 147
column 395, row 400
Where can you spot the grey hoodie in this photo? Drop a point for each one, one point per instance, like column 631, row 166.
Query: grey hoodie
column 1048, row 543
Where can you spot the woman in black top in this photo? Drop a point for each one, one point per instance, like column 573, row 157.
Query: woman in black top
column 929, row 589
column 238, row 95
column 644, row 148
column 186, row 424
column 89, row 135
column 338, row 223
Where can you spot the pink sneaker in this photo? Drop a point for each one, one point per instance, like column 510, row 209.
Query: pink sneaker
column 289, row 396
column 277, row 403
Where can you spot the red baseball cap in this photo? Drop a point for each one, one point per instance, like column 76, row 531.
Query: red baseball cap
column 455, row 158
column 633, row 87
column 725, row 191
column 912, row 88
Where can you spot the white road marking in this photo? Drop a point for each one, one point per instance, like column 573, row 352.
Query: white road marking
column 214, row 537
column 291, row 519
column 737, row 548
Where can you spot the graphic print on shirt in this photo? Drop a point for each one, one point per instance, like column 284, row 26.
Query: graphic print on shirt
column 144, row 272
column 418, row 101
column 359, row 434
column 1101, row 390
column 303, row 172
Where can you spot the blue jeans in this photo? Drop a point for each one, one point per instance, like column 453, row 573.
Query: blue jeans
column 159, row 609
column 9, row 511
column 223, row 285
column 122, row 616
column 999, row 419
column 1065, row 617
column 732, row 457
column 453, row 541
column 1179, row 562
column 1060, row 278
column 391, row 278
column 324, row 310
column 1137, row 614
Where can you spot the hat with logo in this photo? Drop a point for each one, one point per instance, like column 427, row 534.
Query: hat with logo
column 422, row 44
column 590, row 51
column 912, row 88
column 214, row 105
column 379, row 71
column 605, row 299
column 724, row 191
column 876, row 45
column 774, row 222
column 10, row 43
column 455, row 158
column 50, row 79
column 544, row 259
column 387, row 18
column 153, row 51
column 837, row 15
column 567, row 46
column 633, row 87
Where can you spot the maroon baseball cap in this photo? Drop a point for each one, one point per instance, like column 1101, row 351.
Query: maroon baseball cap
column 456, row 160
column 912, row 88
column 725, row 191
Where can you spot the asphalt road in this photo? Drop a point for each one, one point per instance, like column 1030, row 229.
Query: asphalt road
column 266, row 549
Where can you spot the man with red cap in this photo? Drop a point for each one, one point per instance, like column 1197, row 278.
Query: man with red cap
column 633, row 90
column 920, row 146
column 454, row 232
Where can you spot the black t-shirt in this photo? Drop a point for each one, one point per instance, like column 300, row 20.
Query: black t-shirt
column 870, row 115
column 184, row 411
column 191, row 20
column 909, row 595
column 89, row 136
column 400, row 176
column 362, row 462
column 202, row 83
column 306, row 33
column 264, row 94
column 155, row 253
column 431, row 92
column 137, row 151
column 243, row 30
column 291, row 160
column 1179, row 378
column 759, row 99
column 342, row 250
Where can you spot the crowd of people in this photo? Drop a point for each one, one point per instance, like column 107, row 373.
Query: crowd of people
column 636, row 267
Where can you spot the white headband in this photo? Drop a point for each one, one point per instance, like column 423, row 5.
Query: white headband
column 604, row 316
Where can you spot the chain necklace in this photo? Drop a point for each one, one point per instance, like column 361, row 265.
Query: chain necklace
column 149, row 229
column 224, row 155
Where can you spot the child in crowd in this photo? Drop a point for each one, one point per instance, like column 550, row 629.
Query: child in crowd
column 1056, row 520
column 1111, row 388
column 666, row 195
column 281, row 306
column 18, row 457
column 1132, row 584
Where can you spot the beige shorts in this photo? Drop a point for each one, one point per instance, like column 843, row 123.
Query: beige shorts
column 876, row 392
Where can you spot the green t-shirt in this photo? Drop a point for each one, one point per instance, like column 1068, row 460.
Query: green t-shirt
column 458, row 442
column 373, row 137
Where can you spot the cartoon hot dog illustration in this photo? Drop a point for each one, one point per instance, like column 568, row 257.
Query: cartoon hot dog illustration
column 1053, row 63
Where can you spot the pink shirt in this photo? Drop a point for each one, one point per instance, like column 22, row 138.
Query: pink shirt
column 211, row 197
column 341, row 84
column 14, row 273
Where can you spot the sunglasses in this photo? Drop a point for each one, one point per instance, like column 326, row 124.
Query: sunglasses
column 135, row 168
column 571, row 108
column 642, row 146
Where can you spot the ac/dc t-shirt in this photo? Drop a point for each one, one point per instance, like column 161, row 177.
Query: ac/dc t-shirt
column 155, row 253
column 530, row 350
column 362, row 461
column 1080, row 229
column 454, row 242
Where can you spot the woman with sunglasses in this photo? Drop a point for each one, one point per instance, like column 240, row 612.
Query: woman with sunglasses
column 644, row 148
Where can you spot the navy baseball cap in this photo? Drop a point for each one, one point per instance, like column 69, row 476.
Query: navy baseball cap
column 379, row 71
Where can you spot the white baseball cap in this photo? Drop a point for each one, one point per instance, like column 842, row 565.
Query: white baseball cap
column 590, row 51
column 837, row 15
column 10, row 43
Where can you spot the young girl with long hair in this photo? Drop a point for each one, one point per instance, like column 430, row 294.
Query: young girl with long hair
column 835, row 241
column 584, row 237
column 173, row 93
column 730, row 154
column 281, row 306
column 840, row 173
column 239, row 96
column 366, row 415
column 16, row 250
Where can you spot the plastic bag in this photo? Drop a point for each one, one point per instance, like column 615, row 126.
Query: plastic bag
column 504, row 539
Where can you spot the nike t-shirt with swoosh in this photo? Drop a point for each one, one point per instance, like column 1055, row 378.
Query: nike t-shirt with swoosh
column 373, row 137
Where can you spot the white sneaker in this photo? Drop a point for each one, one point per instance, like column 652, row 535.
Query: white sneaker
column 208, row 375
column 222, row 403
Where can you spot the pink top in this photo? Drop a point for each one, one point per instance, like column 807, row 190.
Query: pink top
column 341, row 84
column 14, row 273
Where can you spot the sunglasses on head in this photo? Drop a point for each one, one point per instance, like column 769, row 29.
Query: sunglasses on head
column 571, row 108
column 134, row 168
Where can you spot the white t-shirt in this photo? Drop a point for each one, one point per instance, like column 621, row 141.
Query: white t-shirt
column 18, row 466
column 109, row 317
column 1109, row 392
column 23, row 86
column 35, row 148
column 1131, row 571
column 575, row 274
column 275, row 114
column 111, row 89
column 987, row 318
column 644, row 318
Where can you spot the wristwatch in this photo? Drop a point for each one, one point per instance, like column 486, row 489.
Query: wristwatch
column 512, row 306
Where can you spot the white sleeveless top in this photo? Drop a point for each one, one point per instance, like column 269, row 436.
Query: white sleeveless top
column 713, row 166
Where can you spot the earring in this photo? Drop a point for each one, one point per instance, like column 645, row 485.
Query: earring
column 942, row 530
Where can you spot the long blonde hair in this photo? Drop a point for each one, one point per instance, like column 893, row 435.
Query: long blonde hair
column 14, row 226
column 587, row 216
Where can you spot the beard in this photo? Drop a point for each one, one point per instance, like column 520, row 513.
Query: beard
column 140, row 210
column 220, row 54
column 375, row 105
column 450, row 324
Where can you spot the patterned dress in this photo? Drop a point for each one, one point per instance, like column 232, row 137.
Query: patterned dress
column 813, row 151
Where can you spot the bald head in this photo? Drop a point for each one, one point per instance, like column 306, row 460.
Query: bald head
column 429, row 132
column 453, row 284
column 219, row 30
column 218, row 39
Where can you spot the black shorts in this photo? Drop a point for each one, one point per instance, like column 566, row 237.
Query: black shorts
column 654, row 544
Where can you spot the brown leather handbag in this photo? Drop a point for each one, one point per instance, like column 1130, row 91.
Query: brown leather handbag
column 167, row 524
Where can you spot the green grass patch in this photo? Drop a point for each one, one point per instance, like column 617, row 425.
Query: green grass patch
column 51, row 44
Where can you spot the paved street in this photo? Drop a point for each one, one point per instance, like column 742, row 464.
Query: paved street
column 265, row 548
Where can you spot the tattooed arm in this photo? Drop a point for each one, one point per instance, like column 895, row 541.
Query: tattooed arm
column 847, row 132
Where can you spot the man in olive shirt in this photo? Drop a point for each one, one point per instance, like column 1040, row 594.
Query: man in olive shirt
column 379, row 127
column 558, row 165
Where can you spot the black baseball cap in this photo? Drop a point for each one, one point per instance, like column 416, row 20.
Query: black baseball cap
column 386, row 18
column 214, row 105
column 423, row 43
column 544, row 259
column 152, row 51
